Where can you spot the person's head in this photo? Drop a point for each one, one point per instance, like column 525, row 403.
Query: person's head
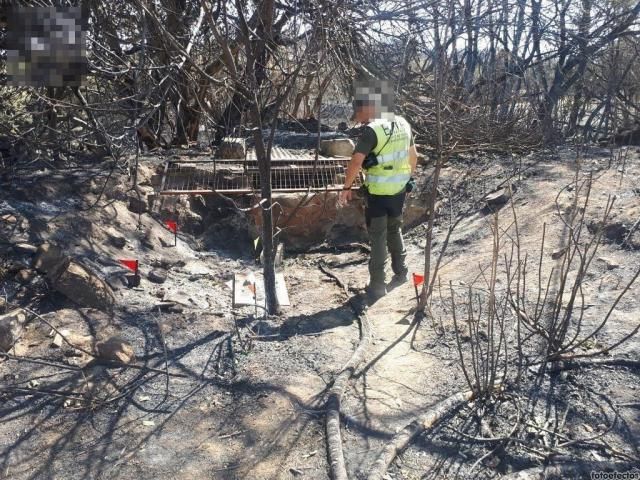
column 372, row 99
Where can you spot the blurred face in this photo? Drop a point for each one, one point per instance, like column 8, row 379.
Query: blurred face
column 373, row 99
column 363, row 112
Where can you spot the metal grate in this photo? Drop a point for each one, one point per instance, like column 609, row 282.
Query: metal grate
column 290, row 174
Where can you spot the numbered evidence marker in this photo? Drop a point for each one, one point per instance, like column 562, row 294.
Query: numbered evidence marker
column 173, row 227
column 132, row 265
column 248, row 290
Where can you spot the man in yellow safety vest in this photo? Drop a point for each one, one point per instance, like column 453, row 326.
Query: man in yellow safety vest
column 387, row 154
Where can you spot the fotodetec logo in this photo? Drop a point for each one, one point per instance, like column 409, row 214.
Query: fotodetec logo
column 630, row 475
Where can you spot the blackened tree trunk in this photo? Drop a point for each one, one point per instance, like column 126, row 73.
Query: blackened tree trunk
column 257, row 58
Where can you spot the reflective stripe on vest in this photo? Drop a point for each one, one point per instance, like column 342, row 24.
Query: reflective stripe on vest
column 391, row 157
column 391, row 174
column 402, row 178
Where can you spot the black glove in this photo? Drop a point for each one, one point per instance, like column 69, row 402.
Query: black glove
column 411, row 185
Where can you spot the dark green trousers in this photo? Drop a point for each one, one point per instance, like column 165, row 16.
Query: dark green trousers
column 384, row 224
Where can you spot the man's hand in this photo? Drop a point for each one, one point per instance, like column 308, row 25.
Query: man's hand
column 345, row 196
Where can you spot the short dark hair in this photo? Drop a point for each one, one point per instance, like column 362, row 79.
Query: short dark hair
column 362, row 103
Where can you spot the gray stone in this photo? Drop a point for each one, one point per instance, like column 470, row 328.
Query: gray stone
column 25, row 248
column 115, row 349
column 137, row 205
column 116, row 239
column 9, row 219
column 11, row 325
column 559, row 253
column 610, row 264
column 25, row 276
column 416, row 207
column 339, row 147
column 50, row 259
column 498, row 198
column 157, row 276
column 83, row 287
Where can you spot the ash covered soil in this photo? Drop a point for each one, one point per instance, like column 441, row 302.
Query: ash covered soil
column 216, row 392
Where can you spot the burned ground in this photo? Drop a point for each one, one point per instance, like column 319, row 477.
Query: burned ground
column 216, row 392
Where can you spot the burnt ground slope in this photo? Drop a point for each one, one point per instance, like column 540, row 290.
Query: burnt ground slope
column 216, row 392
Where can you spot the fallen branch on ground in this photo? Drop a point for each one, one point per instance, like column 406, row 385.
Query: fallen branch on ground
column 334, row 437
column 570, row 363
column 425, row 421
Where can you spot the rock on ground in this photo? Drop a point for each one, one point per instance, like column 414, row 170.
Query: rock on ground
column 25, row 248
column 137, row 205
column 115, row 349
column 11, row 325
column 157, row 276
column 115, row 238
column 83, row 287
column 498, row 198
column 339, row 147
column 72, row 279
column 25, row 276
column 49, row 259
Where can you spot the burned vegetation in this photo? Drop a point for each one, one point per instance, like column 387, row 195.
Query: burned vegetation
column 181, row 290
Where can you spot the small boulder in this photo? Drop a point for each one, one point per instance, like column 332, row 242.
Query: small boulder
column 25, row 276
column 79, row 343
column 25, row 248
column 558, row 254
column 9, row 219
column 8, row 335
column 157, row 276
column 116, row 239
column 137, row 205
column 58, row 340
column 339, row 147
column 11, row 325
column 610, row 264
column 50, row 259
column 115, row 349
column 498, row 198
column 83, row 287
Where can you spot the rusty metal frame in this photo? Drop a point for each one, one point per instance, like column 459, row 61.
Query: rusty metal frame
column 293, row 174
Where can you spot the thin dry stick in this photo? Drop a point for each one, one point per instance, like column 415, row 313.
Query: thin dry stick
column 458, row 342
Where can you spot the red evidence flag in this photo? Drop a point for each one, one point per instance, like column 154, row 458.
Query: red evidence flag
column 418, row 279
column 130, row 264
column 171, row 225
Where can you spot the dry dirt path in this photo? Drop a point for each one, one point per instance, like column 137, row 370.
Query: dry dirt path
column 398, row 381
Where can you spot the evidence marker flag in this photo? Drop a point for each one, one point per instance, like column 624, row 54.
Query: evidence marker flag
column 131, row 265
column 417, row 280
column 173, row 227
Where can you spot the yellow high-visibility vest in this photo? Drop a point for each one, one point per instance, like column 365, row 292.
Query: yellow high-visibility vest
column 393, row 170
